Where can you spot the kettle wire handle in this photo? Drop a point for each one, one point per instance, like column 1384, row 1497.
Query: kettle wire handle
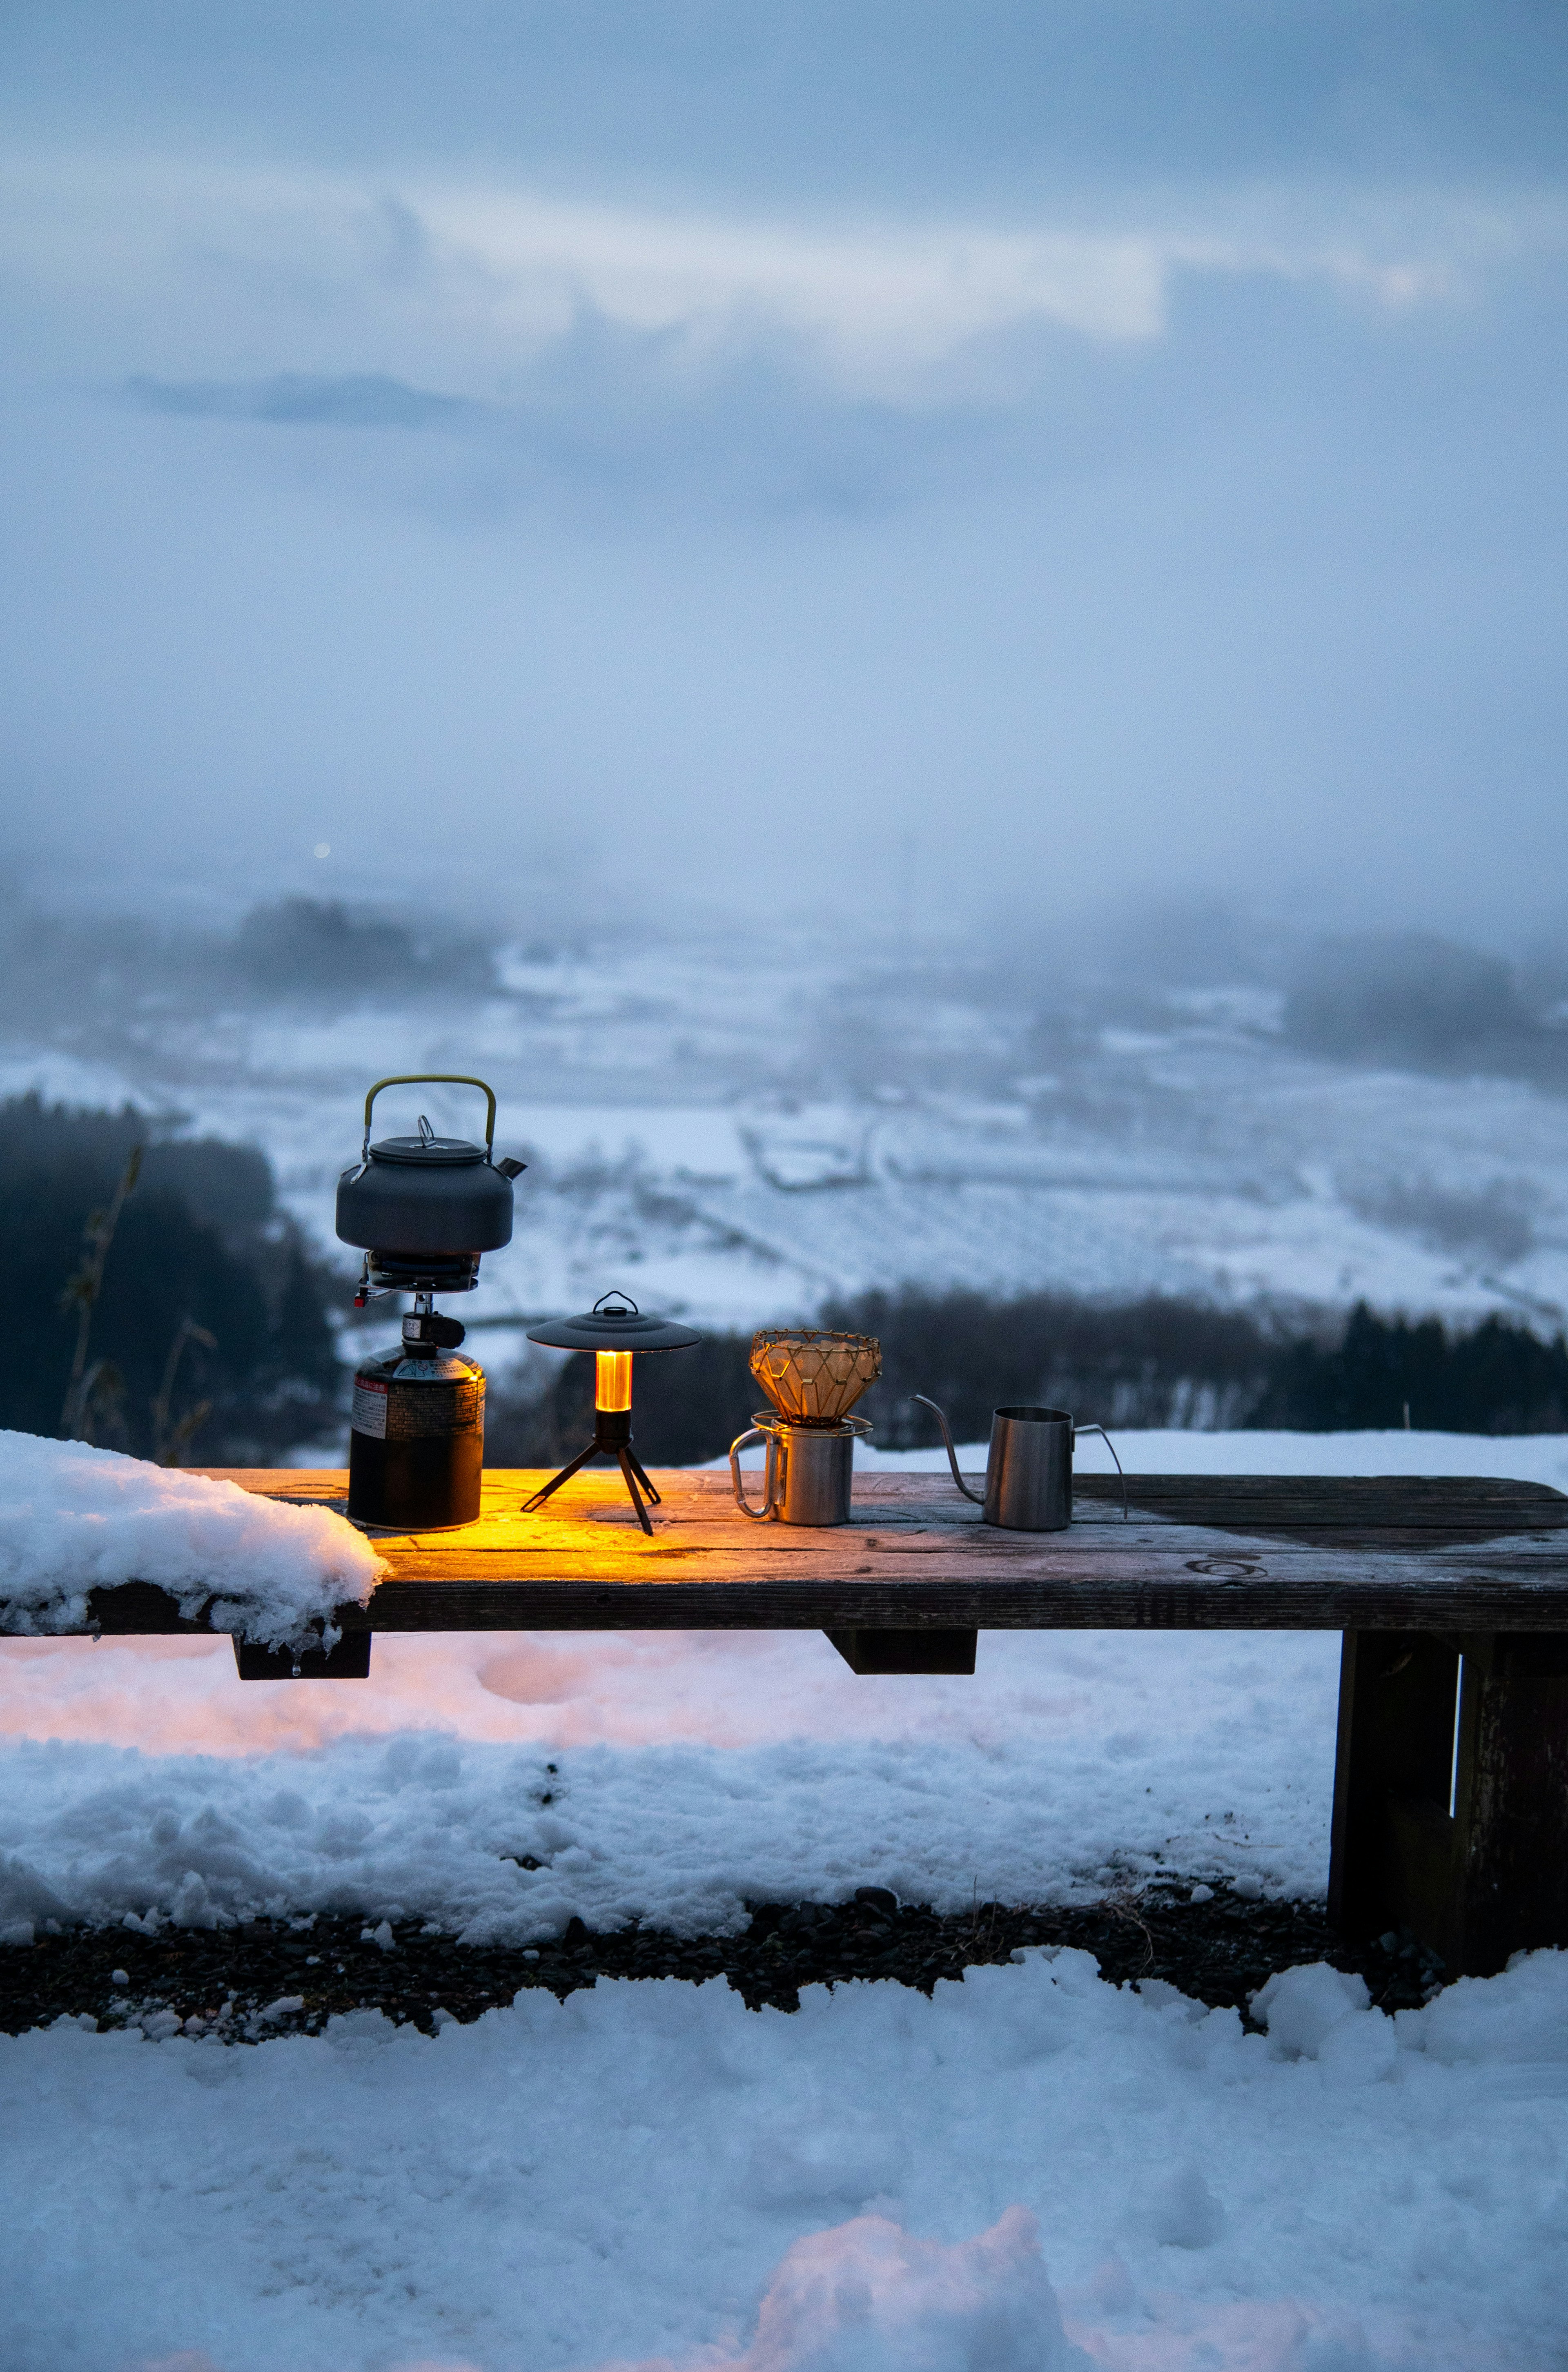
column 434, row 1079
column 978, row 1496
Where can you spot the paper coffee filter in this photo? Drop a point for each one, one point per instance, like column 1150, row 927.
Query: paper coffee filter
column 813, row 1377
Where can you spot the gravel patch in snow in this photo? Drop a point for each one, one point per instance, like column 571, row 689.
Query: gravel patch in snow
column 227, row 1981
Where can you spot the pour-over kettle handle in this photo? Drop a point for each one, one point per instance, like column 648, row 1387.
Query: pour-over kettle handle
column 434, row 1079
column 978, row 1496
column 1077, row 1429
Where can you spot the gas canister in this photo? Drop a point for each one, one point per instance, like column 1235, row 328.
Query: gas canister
column 417, row 1441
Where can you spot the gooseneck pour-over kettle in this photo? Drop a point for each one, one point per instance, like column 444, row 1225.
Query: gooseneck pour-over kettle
column 423, row 1209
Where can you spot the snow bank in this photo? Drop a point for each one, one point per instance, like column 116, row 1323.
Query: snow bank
column 1081, row 1762
column 1030, row 2170
column 74, row 1518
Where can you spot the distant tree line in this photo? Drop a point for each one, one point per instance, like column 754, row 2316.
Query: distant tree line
column 161, row 1304
column 1157, row 1362
column 304, row 952
column 315, row 949
column 1414, row 1002
column 1494, row 1378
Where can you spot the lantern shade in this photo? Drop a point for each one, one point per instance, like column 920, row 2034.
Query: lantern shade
column 813, row 1377
column 614, row 1323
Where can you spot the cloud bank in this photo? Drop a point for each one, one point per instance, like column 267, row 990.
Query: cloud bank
column 1116, row 446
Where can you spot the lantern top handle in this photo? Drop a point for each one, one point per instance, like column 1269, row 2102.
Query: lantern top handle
column 436, row 1079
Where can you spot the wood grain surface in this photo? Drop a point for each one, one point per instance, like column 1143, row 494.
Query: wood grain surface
column 1200, row 1552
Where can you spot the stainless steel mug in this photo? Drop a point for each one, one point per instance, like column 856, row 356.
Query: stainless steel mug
column 809, row 1470
column 1029, row 1470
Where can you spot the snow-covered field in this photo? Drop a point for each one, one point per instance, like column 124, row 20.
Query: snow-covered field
column 1032, row 2170
column 735, row 1130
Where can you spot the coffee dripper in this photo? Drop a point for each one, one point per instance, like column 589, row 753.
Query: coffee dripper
column 813, row 1378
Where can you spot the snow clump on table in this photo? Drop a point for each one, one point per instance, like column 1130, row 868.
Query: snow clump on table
column 74, row 1518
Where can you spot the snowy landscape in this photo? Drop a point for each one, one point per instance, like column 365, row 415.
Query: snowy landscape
column 932, row 637
column 1031, row 2171
column 736, row 1129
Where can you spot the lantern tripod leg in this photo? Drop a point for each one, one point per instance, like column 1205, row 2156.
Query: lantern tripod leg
column 649, row 1491
column 556, row 1480
column 631, row 1470
column 612, row 1438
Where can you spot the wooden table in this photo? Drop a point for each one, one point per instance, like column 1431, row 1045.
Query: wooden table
column 1451, row 1782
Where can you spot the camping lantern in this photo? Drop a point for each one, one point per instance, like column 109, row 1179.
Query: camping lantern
column 614, row 1329
column 423, row 1209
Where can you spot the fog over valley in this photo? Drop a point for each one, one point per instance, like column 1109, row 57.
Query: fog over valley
column 1113, row 451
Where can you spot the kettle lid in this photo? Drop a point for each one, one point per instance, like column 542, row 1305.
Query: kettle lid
column 427, row 1149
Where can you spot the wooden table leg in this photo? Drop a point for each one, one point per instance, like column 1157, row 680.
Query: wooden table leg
column 1391, row 1857
column 886, row 1652
column 1460, row 1839
column 349, row 1660
column 1511, row 1800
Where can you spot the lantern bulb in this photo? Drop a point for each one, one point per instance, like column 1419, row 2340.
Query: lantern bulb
column 613, row 1381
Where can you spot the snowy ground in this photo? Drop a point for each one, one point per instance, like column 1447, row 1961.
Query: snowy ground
column 651, row 2175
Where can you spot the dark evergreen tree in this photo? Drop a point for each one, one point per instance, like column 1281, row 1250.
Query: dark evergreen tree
column 1496, row 1378
column 205, row 1297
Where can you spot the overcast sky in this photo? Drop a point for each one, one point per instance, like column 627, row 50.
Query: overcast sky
column 757, row 453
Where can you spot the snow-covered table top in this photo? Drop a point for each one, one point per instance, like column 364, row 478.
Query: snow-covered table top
column 1200, row 1552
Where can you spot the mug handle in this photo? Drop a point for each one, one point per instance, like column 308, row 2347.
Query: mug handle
column 978, row 1496
column 744, row 1441
column 1111, row 1445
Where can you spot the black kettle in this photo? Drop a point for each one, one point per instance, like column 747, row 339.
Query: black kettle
column 425, row 1207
